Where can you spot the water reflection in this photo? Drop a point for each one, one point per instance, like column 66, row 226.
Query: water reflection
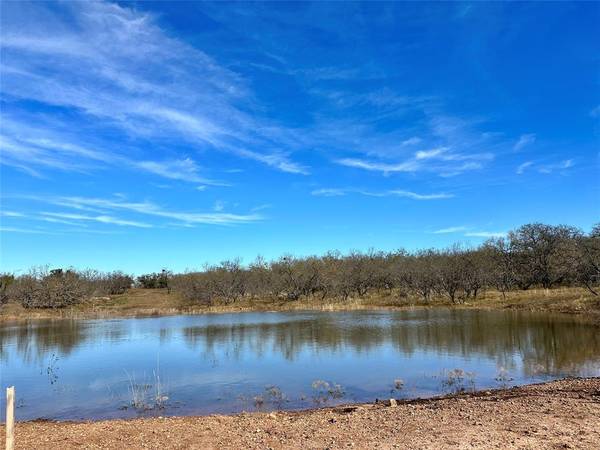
column 34, row 340
column 213, row 360
column 550, row 343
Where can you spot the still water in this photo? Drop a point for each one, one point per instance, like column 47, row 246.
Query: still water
column 181, row 365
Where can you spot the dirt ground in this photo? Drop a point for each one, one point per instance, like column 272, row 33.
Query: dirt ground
column 555, row 415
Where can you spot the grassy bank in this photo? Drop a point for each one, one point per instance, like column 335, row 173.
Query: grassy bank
column 559, row 414
column 149, row 302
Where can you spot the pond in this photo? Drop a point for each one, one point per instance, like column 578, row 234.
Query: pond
column 222, row 363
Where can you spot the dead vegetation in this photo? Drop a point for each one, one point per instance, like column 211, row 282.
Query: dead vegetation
column 138, row 302
column 537, row 267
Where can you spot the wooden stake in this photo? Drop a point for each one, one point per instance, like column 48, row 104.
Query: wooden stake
column 10, row 418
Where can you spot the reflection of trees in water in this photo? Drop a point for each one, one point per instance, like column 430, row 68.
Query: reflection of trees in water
column 35, row 340
column 287, row 338
column 546, row 344
column 165, row 335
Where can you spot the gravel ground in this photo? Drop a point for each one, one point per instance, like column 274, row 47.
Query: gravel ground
column 555, row 415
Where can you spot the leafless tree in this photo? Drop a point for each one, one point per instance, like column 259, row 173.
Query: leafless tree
column 533, row 255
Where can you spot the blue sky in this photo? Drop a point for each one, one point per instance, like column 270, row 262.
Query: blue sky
column 144, row 135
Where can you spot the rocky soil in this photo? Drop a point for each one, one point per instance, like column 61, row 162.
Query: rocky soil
column 556, row 415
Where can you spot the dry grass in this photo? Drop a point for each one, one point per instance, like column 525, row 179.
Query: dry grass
column 563, row 300
column 149, row 302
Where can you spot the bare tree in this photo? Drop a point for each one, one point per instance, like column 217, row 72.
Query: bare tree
column 543, row 253
column 56, row 288
column 533, row 255
column 588, row 259
column 6, row 280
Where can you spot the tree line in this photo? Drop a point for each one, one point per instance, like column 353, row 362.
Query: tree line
column 534, row 255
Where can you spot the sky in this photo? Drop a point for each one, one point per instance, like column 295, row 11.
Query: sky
column 148, row 135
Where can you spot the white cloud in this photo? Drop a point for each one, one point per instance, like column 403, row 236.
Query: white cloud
column 100, row 205
column 22, row 156
column 23, row 230
column 29, row 146
column 329, row 192
column 101, row 218
column 116, row 65
column 279, row 161
column 450, row 230
column 409, row 194
column 521, row 169
column 411, row 141
column 61, row 221
column 486, row 234
column 524, row 141
column 336, row 192
column 461, row 168
column 261, row 207
column 219, row 206
column 438, row 160
column 549, row 168
column 11, row 214
column 184, row 169
column 409, row 166
column 428, row 154
column 545, row 168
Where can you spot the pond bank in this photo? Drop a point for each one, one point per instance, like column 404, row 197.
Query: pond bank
column 559, row 414
column 158, row 302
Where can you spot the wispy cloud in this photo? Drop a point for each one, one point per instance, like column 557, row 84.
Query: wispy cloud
column 409, row 194
column 549, row 168
column 261, row 207
column 146, row 83
column 23, row 156
column 545, row 168
column 336, row 192
column 60, row 221
column 11, row 214
column 450, row 230
column 24, row 230
column 521, row 168
column 184, row 169
column 219, row 206
column 411, row 141
column 28, row 146
column 101, row 219
column 430, row 154
column 524, row 141
column 329, row 192
column 101, row 205
column 276, row 160
column 439, row 160
column 408, row 166
column 467, row 233
column 486, row 234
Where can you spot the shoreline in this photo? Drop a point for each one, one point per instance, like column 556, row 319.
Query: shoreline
column 140, row 303
column 558, row 414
